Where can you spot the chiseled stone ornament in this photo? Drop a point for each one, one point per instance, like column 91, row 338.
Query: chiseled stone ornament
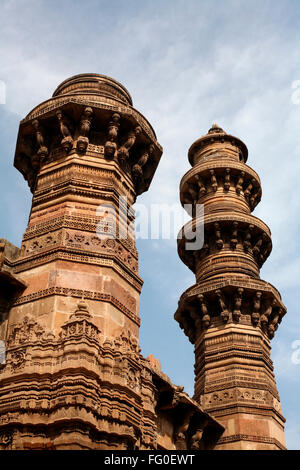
column 230, row 314
column 74, row 377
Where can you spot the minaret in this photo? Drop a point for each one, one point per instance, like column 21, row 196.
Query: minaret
column 76, row 322
column 74, row 376
column 80, row 152
column 230, row 314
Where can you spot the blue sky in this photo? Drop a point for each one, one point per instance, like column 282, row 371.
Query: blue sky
column 186, row 64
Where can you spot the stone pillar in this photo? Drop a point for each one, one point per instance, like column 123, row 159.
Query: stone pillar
column 230, row 314
column 81, row 151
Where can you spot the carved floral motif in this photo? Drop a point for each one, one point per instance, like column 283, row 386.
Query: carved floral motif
column 29, row 330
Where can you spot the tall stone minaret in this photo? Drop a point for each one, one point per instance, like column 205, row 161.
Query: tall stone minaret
column 71, row 335
column 230, row 314
column 74, row 376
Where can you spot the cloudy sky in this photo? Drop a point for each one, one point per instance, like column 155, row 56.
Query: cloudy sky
column 187, row 64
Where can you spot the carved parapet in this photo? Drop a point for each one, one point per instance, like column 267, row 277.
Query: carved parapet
column 232, row 300
column 96, row 112
column 121, row 250
column 129, row 141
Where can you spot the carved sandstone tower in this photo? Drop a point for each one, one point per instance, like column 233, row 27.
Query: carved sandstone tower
column 74, row 377
column 230, row 314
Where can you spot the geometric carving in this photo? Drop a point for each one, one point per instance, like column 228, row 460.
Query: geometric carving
column 123, row 152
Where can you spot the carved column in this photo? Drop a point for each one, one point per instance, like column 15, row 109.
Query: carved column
column 230, row 314
column 76, row 247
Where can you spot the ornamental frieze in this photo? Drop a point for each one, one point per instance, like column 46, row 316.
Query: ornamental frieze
column 90, row 295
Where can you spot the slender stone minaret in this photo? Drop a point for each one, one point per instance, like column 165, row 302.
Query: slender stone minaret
column 230, row 314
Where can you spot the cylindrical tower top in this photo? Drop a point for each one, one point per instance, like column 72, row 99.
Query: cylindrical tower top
column 93, row 83
column 89, row 115
column 217, row 141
